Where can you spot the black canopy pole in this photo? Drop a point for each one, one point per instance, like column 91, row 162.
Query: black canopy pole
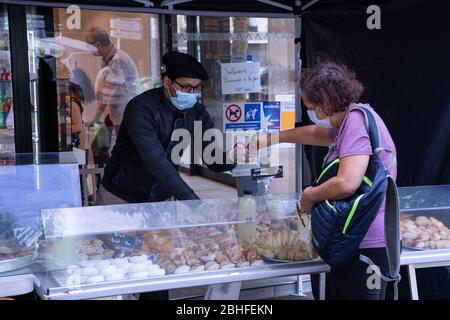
column 17, row 18
column 298, row 107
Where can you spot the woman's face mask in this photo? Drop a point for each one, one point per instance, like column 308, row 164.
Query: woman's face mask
column 320, row 122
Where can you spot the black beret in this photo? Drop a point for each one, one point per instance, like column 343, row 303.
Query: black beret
column 181, row 65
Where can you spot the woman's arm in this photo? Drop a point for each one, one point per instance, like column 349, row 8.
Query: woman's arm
column 349, row 177
column 311, row 135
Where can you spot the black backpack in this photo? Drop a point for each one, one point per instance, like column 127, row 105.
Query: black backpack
column 339, row 226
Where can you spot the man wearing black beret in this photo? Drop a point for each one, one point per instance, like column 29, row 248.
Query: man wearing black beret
column 140, row 168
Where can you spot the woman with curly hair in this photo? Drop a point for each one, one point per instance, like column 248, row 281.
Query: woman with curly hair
column 330, row 91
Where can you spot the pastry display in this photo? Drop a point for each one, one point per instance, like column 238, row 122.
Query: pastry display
column 184, row 250
column 424, row 232
column 114, row 269
column 283, row 239
column 10, row 250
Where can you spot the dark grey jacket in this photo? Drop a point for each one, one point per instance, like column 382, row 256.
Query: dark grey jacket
column 140, row 169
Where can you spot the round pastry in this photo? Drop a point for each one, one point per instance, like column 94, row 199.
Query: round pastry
column 198, row 268
column 182, row 269
column 101, row 263
column 73, row 269
column 137, row 267
column 124, row 266
column 257, row 263
column 136, row 275
column 227, row 265
column 208, row 258
column 152, row 267
column 220, row 257
column 89, row 271
column 118, row 261
column 115, row 276
column 140, row 258
column 86, row 264
column 108, row 270
column 422, row 221
column 158, row 272
column 95, row 279
column 211, row 266
column 243, row 264
column 443, row 244
column 73, row 280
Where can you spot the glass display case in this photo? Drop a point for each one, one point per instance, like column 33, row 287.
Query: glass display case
column 425, row 217
column 166, row 243
column 34, row 183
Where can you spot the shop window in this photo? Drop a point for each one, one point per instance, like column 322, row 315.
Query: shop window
column 7, row 147
column 89, row 74
column 262, row 48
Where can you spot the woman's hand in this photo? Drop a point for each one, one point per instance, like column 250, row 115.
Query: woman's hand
column 258, row 141
column 305, row 204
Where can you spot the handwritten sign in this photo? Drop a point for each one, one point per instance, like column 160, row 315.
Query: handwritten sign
column 123, row 241
column 240, row 77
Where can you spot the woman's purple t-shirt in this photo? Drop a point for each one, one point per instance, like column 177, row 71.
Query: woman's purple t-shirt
column 353, row 139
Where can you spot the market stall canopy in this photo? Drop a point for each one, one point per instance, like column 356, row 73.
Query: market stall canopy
column 273, row 8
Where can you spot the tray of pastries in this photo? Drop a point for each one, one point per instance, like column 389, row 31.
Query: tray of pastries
column 424, row 233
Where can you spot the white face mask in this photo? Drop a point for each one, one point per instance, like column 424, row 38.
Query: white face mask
column 323, row 123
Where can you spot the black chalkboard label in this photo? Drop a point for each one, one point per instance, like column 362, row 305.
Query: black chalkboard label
column 121, row 240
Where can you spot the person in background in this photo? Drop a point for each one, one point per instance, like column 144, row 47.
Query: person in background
column 329, row 92
column 116, row 83
column 76, row 110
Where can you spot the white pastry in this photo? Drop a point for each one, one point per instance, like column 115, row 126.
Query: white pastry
column 158, row 272
column 244, row 264
column 89, row 271
column 107, row 271
column 124, row 266
column 208, row 258
column 118, row 261
column 86, row 264
column 140, row 258
column 152, row 267
column 182, row 269
column 73, row 269
column 95, row 279
column 228, row 265
column 115, row 276
column 137, row 267
column 73, row 280
column 198, row 268
column 136, row 275
column 99, row 264
column 257, row 263
column 211, row 266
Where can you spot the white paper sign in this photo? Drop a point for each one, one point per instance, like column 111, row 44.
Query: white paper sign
column 127, row 24
column 130, row 35
column 240, row 77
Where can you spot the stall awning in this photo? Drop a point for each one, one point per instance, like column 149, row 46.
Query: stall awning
column 254, row 8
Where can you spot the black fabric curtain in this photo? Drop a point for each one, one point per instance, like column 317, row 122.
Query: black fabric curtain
column 404, row 67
